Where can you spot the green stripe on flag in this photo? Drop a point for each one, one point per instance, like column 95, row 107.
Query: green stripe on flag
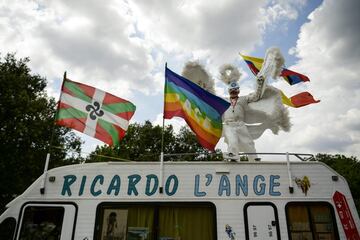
column 111, row 130
column 77, row 91
column 193, row 104
column 116, row 108
column 66, row 113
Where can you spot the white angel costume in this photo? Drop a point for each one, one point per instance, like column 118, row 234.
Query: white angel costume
column 248, row 116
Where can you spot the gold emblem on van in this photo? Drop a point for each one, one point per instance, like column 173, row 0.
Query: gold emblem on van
column 304, row 184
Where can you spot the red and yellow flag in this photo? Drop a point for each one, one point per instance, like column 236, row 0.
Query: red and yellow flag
column 298, row 100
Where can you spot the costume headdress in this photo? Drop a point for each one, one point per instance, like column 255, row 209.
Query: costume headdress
column 196, row 73
column 230, row 75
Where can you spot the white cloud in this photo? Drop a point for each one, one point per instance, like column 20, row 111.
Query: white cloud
column 126, row 43
column 121, row 47
column 280, row 11
column 329, row 55
column 221, row 28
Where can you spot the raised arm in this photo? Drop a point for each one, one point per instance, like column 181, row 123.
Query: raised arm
column 256, row 96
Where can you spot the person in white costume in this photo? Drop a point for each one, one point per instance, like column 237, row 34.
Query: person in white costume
column 235, row 131
column 249, row 116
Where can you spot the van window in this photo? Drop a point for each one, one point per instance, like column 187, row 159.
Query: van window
column 42, row 223
column 7, row 228
column 313, row 221
column 156, row 221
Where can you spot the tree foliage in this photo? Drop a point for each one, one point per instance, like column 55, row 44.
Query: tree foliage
column 349, row 168
column 26, row 123
column 143, row 143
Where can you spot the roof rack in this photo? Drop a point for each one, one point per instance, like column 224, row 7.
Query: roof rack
column 301, row 156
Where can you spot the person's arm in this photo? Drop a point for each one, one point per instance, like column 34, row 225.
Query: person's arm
column 255, row 96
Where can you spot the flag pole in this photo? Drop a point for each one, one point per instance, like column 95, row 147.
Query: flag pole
column 47, row 160
column 161, row 188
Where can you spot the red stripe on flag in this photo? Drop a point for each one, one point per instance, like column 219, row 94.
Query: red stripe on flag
column 286, row 72
column 109, row 98
column 63, row 105
column 173, row 109
column 103, row 135
column 252, row 67
column 303, row 99
column 121, row 132
column 172, row 106
column 171, row 114
column 75, row 123
column 88, row 90
column 205, row 143
column 200, row 131
column 206, row 139
column 125, row 115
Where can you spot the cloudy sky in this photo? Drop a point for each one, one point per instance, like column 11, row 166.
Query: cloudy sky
column 121, row 46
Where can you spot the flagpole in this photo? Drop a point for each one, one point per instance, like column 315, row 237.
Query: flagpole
column 161, row 188
column 46, row 167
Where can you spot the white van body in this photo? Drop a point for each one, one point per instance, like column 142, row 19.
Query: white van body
column 250, row 200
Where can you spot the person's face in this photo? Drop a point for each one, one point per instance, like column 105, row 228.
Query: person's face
column 234, row 92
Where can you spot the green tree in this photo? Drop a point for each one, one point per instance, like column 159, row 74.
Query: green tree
column 349, row 168
column 26, row 123
column 142, row 142
column 185, row 142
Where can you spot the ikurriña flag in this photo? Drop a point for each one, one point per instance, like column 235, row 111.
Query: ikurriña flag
column 94, row 112
column 199, row 108
column 298, row 100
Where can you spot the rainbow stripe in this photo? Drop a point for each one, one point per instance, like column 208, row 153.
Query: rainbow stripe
column 200, row 109
column 94, row 112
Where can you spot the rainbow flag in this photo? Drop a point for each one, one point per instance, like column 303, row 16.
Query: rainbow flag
column 93, row 112
column 298, row 100
column 200, row 109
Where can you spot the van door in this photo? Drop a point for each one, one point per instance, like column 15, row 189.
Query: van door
column 261, row 221
column 47, row 221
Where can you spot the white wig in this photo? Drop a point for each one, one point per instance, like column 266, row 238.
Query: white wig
column 196, row 73
column 230, row 75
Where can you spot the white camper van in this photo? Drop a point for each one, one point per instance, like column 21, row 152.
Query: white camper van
column 185, row 201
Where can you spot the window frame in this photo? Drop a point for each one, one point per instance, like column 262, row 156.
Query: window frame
column 45, row 204
column 156, row 205
column 246, row 222
column 309, row 204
